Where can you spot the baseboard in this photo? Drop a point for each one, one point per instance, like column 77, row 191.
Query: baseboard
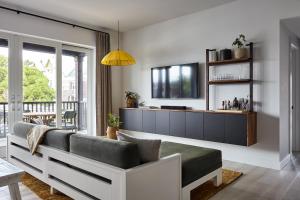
column 285, row 161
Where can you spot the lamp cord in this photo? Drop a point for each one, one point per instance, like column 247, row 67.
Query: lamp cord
column 118, row 35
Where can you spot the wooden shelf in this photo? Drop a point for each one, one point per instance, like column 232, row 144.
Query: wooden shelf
column 249, row 81
column 228, row 62
column 219, row 82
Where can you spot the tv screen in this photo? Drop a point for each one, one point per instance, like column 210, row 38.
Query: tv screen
column 176, row 81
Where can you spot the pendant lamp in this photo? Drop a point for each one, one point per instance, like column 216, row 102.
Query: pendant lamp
column 118, row 57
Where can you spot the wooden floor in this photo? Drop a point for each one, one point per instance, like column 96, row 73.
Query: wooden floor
column 256, row 184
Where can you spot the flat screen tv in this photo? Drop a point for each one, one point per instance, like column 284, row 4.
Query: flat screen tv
column 175, row 81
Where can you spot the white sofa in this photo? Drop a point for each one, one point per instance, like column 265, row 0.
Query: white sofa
column 83, row 178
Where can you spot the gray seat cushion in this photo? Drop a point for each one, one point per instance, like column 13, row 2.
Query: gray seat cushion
column 59, row 139
column 196, row 161
column 117, row 153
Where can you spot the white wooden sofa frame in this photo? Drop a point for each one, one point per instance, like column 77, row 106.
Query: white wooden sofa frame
column 86, row 179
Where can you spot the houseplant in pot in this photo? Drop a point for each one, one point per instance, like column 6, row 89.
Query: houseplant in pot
column 131, row 99
column 239, row 47
column 113, row 124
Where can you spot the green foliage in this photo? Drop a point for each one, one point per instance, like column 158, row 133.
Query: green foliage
column 131, row 95
column 3, row 79
column 113, row 121
column 35, row 84
column 3, row 83
column 240, row 41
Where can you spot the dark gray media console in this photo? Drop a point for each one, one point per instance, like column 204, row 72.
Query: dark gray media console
column 224, row 127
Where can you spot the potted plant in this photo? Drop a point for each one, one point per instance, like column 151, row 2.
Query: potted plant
column 131, row 99
column 239, row 47
column 113, row 123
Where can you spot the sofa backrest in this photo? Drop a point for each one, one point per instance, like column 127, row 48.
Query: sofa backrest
column 59, row 139
column 117, row 153
column 22, row 128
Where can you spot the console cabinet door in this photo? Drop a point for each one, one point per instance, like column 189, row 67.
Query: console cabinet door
column 177, row 123
column 214, row 127
column 162, row 121
column 149, row 121
column 194, row 125
column 236, row 129
column 131, row 119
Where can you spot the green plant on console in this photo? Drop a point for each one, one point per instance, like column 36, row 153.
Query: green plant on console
column 131, row 95
column 113, row 121
column 131, row 99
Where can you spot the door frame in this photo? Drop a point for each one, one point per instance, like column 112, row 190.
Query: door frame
column 294, row 85
column 19, row 73
column 91, row 103
column 11, row 62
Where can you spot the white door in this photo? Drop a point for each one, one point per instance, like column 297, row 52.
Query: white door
column 6, row 103
column 77, row 89
column 36, row 81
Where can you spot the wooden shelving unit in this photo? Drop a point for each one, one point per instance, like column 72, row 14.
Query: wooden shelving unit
column 230, row 62
column 249, row 81
column 220, row 82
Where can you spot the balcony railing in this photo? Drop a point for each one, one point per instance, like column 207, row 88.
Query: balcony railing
column 45, row 107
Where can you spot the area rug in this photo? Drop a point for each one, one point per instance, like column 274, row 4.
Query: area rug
column 207, row 190
column 203, row 192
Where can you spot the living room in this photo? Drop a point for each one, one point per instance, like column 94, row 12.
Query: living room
column 237, row 59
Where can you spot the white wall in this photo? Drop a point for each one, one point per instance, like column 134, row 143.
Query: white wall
column 185, row 39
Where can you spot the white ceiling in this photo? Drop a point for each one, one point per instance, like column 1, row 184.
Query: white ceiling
column 132, row 14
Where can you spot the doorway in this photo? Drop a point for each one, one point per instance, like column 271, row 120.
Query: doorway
column 294, row 98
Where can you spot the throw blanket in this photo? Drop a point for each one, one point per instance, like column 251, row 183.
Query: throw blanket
column 35, row 136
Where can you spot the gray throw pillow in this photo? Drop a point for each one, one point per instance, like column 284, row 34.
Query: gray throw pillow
column 148, row 149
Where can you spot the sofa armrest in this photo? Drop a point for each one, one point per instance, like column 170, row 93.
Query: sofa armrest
column 155, row 180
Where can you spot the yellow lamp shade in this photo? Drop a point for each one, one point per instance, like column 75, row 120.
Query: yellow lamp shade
column 118, row 58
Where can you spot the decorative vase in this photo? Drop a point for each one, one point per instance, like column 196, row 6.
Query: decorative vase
column 240, row 53
column 213, row 56
column 225, row 54
column 111, row 132
column 131, row 103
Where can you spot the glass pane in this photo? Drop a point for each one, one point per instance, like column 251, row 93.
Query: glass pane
column 186, row 81
column 39, row 84
column 174, row 78
column 155, row 83
column 3, row 88
column 74, row 90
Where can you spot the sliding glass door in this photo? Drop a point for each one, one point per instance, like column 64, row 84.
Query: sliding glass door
column 74, row 88
column 45, row 82
column 39, row 83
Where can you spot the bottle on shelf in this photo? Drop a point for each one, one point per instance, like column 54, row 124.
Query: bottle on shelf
column 235, row 104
